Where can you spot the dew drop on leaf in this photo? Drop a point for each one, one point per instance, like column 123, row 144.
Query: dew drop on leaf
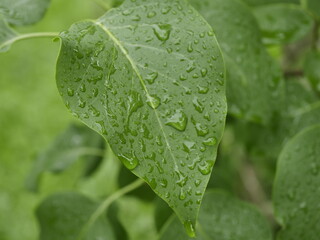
column 131, row 162
column 178, row 121
column 162, row 31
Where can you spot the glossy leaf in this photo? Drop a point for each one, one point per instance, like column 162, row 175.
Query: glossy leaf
column 75, row 142
column 6, row 35
column 312, row 69
column 66, row 215
column 283, row 23
column 255, row 87
column 149, row 77
column 296, row 188
column 222, row 217
column 23, row 12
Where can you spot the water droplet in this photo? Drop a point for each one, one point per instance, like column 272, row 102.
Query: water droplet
column 197, row 105
column 188, row 146
column 162, row 31
column 178, row 121
column 131, row 162
column 203, row 90
column 205, row 168
column 70, row 92
column 163, row 183
column 189, row 228
column 182, row 195
column 165, row 10
column 151, row 77
column 210, row 141
column 153, row 101
column 201, row 130
column 204, row 72
column 151, row 14
column 182, row 178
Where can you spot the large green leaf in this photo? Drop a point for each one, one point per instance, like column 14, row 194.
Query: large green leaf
column 66, row 216
column 283, row 23
column 296, row 190
column 149, row 77
column 23, row 12
column 255, row 85
column 222, row 217
column 312, row 69
column 75, row 142
column 6, row 35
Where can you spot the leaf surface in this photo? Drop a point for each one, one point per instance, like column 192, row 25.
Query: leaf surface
column 149, row 77
column 255, row 87
column 222, row 217
column 296, row 188
column 6, row 35
column 23, row 12
column 283, row 23
column 75, row 142
column 312, row 69
column 65, row 216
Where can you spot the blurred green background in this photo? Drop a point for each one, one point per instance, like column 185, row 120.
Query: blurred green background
column 31, row 115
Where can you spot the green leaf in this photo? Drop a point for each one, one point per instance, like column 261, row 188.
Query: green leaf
column 296, row 188
column 313, row 6
column 23, row 12
column 222, row 217
column 149, row 77
column 6, row 35
column 312, row 69
column 75, row 142
column 283, row 23
column 265, row 2
column 255, row 87
column 65, row 216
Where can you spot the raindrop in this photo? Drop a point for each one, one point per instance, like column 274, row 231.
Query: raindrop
column 162, row 31
column 131, row 162
column 178, row 120
column 189, row 228
column 205, row 168
column 153, row 101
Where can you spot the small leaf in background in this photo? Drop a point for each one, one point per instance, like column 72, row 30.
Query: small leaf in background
column 65, row 216
column 296, row 191
column 283, row 23
column 149, row 77
column 137, row 217
column 312, row 69
column 23, row 12
column 6, row 35
column 255, row 87
column 75, row 142
column 313, row 6
column 162, row 213
column 222, row 217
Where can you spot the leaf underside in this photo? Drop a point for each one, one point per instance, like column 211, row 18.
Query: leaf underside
column 149, row 77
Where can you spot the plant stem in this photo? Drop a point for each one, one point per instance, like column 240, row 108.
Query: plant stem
column 106, row 203
column 29, row 35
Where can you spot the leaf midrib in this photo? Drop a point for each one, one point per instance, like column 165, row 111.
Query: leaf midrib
column 117, row 42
